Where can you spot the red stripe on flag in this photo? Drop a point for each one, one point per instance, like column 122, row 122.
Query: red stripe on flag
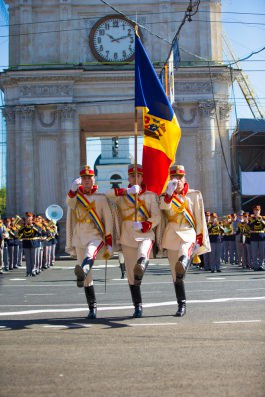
column 156, row 169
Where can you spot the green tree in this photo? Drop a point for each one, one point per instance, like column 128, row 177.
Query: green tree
column 3, row 200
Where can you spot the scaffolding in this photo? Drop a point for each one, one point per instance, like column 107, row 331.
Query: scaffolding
column 243, row 82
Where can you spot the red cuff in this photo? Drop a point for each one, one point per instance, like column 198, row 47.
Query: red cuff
column 72, row 194
column 108, row 240
column 199, row 239
column 119, row 192
column 146, row 226
column 167, row 198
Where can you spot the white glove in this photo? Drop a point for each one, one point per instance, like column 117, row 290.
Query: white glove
column 135, row 189
column 108, row 252
column 171, row 186
column 75, row 184
column 109, row 249
column 137, row 226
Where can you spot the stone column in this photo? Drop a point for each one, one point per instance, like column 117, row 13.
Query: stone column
column 10, row 114
column 25, row 181
column 25, row 32
column 209, row 161
column 66, row 34
column 70, row 146
column 69, row 158
column 224, row 111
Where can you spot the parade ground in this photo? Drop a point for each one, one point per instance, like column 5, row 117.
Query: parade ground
column 49, row 348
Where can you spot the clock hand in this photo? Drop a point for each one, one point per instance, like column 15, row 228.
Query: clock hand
column 122, row 37
column 111, row 37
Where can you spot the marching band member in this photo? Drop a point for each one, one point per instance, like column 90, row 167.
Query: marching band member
column 137, row 235
column 186, row 229
column 31, row 236
column 89, row 228
column 2, row 237
column 216, row 232
column 257, row 236
column 10, row 244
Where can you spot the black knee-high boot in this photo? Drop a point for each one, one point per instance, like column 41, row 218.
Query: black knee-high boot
column 91, row 301
column 137, row 300
column 181, row 297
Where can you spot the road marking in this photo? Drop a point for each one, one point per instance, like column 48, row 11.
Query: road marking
column 17, row 279
column 110, row 308
column 151, row 324
column 39, row 294
column 237, row 321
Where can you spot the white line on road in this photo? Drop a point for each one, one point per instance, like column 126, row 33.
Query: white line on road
column 237, row 321
column 146, row 305
column 151, row 324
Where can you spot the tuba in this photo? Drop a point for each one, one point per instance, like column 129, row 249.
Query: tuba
column 54, row 213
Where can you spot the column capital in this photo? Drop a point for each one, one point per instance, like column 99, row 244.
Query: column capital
column 9, row 114
column 25, row 112
column 206, row 108
column 224, row 110
column 66, row 112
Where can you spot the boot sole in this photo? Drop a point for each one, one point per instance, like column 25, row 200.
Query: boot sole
column 179, row 268
column 79, row 272
column 138, row 274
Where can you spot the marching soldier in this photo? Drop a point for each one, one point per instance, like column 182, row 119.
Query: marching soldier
column 216, row 232
column 137, row 234
column 89, row 229
column 257, row 236
column 186, row 229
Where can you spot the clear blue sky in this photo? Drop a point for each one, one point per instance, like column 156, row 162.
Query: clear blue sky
column 244, row 24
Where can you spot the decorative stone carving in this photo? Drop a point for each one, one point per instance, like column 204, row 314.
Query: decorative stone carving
column 48, row 90
column 47, row 118
column 181, row 112
column 25, row 112
column 224, row 110
column 191, row 87
column 9, row 114
column 66, row 112
column 206, row 108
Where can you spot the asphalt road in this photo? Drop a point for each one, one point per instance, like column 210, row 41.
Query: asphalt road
column 48, row 348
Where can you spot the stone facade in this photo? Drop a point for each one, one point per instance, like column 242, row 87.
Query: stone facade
column 57, row 95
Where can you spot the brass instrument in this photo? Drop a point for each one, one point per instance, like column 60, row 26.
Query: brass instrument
column 54, row 213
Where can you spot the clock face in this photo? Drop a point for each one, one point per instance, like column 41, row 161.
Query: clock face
column 112, row 39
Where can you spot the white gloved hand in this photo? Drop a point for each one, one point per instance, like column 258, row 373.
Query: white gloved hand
column 75, row 184
column 137, row 226
column 109, row 249
column 171, row 186
column 108, row 252
column 135, row 189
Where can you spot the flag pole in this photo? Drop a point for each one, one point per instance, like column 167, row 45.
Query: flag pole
column 135, row 145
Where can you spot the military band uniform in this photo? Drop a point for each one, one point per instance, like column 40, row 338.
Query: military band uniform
column 89, row 230
column 257, row 237
column 216, row 232
column 30, row 234
column 137, row 230
column 2, row 235
column 206, row 256
column 186, row 229
column 243, row 231
column 229, row 241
